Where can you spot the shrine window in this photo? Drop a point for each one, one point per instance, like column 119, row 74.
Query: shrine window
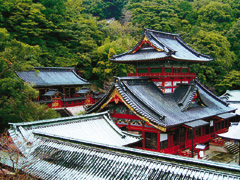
column 184, row 70
column 168, row 70
column 142, row 70
column 156, row 70
column 150, row 140
column 176, row 70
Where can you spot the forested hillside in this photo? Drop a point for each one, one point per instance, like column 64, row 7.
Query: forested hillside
column 85, row 33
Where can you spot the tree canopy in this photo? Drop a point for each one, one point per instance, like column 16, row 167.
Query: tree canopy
column 86, row 33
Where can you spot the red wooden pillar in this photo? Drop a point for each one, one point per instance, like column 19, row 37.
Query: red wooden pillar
column 158, row 142
column 149, row 70
column 143, row 142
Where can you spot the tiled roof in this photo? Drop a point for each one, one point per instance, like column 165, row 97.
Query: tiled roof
column 233, row 133
column 84, row 91
column 232, row 95
column 49, row 76
column 54, row 157
column 94, row 127
column 51, row 92
column 165, row 109
column 164, row 46
column 197, row 123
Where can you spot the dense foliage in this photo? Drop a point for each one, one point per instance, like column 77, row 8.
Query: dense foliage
column 85, row 33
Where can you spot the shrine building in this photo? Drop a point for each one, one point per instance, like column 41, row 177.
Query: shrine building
column 164, row 57
column 162, row 100
column 59, row 87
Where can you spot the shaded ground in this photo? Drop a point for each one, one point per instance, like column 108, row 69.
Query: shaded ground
column 223, row 157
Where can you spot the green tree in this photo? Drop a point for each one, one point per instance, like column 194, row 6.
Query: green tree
column 105, row 69
column 215, row 16
column 15, row 95
column 230, row 81
column 218, row 47
column 233, row 36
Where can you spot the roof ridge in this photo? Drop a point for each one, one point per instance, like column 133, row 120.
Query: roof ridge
column 46, row 121
column 162, row 43
column 179, row 39
column 191, row 98
column 162, row 32
column 70, row 68
column 210, row 93
column 162, row 116
column 74, row 72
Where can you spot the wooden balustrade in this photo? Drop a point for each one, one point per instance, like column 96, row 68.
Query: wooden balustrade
column 163, row 74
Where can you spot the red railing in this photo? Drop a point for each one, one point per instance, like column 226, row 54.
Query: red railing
column 164, row 74
column 171, row 150
column 185, row 153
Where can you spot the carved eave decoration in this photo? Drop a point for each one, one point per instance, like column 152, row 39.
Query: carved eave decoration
column 116, row 96
column 145, row 41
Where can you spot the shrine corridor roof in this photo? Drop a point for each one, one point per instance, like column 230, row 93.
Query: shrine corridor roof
column 161, row 46
column 49, row 76
column 96, row 128
column 165, row 110
column 49, row 156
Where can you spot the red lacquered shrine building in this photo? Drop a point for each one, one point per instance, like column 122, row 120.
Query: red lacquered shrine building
column 164, row 57
column 177, row 116
column 59, row 87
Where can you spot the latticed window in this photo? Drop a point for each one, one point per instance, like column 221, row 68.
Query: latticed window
column 176, row 70
column 142, row 70
column 168, row 70
column 156, row 70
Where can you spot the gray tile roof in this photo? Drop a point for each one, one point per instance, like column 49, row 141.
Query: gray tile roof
column 49, row 76
column 94, row 127
column 168, row 46
column 65, row 158
column 196, row 123
column 165, row 109
column 84, row 91
column 51, row 92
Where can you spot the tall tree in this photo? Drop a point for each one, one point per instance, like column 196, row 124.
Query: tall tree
column 15, row 95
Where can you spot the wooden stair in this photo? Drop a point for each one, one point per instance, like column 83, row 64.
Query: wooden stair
column 231, row 147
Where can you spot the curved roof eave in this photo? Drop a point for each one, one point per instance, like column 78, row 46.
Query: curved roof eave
column 159, row 59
